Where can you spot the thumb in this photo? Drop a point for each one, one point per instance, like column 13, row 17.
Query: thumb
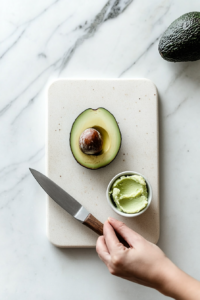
column 128, row 234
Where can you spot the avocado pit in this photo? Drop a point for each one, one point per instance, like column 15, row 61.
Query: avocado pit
column 91, row 142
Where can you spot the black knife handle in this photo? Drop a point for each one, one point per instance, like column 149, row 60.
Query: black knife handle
column 97, row 227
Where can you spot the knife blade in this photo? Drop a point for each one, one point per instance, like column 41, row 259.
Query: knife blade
column 72, row 206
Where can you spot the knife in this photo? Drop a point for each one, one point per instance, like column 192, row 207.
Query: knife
column 68, row 203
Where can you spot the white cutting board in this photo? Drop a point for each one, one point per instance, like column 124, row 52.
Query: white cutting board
column 134, row 103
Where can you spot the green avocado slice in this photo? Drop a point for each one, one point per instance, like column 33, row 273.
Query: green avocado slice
column 104, row 122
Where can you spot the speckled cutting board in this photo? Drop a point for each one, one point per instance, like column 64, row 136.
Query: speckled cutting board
column 134, row 103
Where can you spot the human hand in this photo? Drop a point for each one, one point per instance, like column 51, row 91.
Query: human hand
column 143, row 262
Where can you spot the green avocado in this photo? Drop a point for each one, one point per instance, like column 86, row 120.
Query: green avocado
column 130, row 194
column 181, row 40
column 105, row 124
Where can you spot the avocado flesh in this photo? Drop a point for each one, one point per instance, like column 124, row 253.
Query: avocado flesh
column 181, row 40
column 103, row 121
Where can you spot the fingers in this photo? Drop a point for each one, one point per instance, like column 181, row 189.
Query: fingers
column 102, row 250
column 128, row 234
column 111, row 239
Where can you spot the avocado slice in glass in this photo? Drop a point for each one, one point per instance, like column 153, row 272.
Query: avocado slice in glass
column 95, row 138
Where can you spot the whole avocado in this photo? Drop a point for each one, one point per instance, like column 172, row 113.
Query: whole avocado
column 181, row 40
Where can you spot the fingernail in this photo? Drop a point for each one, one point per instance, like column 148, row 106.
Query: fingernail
column 110, row 219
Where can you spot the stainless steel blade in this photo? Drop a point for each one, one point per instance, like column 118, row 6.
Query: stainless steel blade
column 61, row 197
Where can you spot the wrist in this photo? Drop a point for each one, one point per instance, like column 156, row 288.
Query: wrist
column 169, row 278
column 177, row 284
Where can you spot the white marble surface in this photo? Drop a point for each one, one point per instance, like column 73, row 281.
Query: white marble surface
column 43, row 40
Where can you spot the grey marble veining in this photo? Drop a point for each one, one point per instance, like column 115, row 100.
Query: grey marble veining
column 44, row 40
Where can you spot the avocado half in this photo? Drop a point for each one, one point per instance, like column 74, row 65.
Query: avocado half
column 104, row 122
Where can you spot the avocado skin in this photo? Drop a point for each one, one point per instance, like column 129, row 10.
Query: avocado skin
column 181, row 40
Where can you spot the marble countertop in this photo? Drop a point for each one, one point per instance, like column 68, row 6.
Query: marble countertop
column 44, row 40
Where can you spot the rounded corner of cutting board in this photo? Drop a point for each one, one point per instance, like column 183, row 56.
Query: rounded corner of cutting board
column 150, row 83
column 157, row 237
column 53, row 85
column 152, row 86
column 52, row 241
